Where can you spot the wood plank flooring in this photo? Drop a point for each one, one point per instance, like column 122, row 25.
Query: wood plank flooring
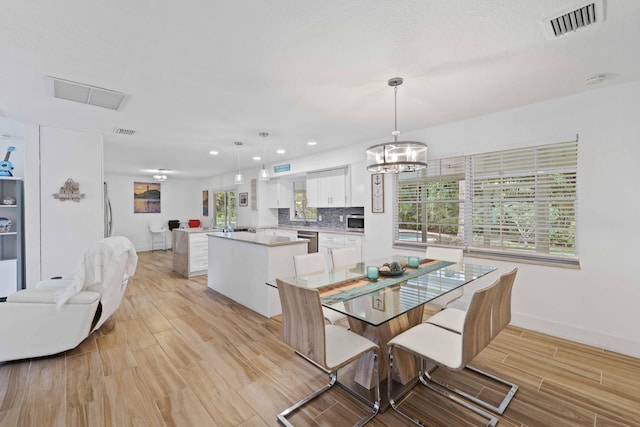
column 178, row 354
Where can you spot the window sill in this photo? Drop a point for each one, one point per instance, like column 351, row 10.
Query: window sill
column 501, row 256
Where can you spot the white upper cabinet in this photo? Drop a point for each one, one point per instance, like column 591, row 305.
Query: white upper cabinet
column 327, row 188
column 280, row 193
column 359, row 177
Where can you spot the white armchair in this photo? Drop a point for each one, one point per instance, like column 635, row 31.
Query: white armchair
column 58, row 314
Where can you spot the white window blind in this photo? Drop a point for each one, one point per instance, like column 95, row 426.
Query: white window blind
column 518, row 203
column 525, row 200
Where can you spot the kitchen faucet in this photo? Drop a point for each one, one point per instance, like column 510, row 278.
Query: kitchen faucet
column 304, row 216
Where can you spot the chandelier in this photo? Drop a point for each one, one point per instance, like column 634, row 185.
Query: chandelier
column 161, row 175
column 396, row 156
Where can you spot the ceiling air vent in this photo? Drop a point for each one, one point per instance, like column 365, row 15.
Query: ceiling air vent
column 120, row 131
column 583, row 15
column 86, row 94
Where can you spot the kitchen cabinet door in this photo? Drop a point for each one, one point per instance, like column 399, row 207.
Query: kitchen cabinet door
column 280, row 193
column 351, row 241
column 327, row 242
column 327, row 188
column 313, row 196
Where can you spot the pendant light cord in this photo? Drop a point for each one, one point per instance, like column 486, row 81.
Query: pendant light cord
column 395, row 108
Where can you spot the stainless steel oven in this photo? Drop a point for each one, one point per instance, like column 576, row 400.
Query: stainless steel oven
column 355, row 223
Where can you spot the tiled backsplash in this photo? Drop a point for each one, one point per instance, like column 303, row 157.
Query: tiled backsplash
column 330, row 217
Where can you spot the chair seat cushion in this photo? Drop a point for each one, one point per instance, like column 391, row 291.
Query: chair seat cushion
column 449, row 318
column 332, row 316
column 342, row 346
column 432, row 342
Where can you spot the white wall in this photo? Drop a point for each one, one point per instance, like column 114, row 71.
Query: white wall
column 597, row 304
column 67, row 228
column 179, row 199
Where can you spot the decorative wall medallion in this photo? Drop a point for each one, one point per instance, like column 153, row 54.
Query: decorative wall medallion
column 254, row 194
column 69, row 191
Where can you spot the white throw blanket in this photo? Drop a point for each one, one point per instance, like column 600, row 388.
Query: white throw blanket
column 99, row 265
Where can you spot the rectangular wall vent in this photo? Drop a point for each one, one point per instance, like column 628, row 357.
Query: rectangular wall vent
column 120, row 131
column 86, row 94
column 587, row 14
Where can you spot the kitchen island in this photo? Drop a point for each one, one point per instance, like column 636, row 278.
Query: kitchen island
column 189, row 247
column 240, row 264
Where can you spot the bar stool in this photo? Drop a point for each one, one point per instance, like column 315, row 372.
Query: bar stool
column 158, row 230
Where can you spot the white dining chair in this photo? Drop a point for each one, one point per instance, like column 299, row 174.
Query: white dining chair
column 454, row 346
column 342, row 257
column 444, row 254
column 314, row 263
column 328, row 347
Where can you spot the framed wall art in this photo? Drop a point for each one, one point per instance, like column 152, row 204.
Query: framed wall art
column 377, row 193
column 146, row 197
column 254, row 194
column 243, row 199
column 205, row 202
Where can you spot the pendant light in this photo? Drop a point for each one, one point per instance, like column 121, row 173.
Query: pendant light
column 264, row 172
column 238, row 179
column 396, row 156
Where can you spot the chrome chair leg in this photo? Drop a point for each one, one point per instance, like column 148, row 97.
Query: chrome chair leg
column 333, row 378
column 499, row 409
column 492, row 420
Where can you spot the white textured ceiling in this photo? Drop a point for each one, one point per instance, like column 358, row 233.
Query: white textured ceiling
column 204, row 73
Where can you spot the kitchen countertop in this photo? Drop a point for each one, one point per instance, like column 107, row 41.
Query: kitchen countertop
column 196, row 230
column 259, row 239
column 317, row 229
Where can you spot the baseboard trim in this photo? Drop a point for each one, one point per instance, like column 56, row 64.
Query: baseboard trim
column 583, row 336
column 571, row 333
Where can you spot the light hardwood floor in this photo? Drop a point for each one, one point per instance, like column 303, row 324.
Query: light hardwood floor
column 179, row 354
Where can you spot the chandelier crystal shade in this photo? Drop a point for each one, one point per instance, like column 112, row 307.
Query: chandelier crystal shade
column 396, row 156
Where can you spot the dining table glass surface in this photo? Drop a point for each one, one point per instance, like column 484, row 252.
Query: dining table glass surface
column 347, row 289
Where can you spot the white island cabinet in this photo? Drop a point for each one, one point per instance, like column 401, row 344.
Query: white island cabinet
column 241, row 263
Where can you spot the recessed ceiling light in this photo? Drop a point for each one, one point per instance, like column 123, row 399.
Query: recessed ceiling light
column 213, row 152
column 256, row 157
column 311, row 143
column 280, row 151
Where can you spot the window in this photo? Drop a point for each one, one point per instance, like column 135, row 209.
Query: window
column 520, row 202
column 225, row 209
column 525, row 200
column 430, row 203
column 301, row 210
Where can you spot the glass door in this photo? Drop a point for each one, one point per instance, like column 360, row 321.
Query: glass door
column 225, row 206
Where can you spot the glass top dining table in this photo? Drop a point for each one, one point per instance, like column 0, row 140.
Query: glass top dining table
column 347, row 289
